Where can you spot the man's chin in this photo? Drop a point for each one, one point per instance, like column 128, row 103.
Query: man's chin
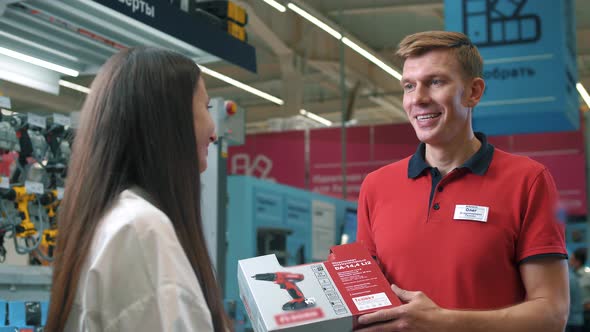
column 426, row 136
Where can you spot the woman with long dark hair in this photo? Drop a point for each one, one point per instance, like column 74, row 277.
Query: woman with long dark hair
column 131, row 255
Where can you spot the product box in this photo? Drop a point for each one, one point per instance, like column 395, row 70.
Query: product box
column 326, row 296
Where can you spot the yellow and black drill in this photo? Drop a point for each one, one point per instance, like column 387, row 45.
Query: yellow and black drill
column 19, row 195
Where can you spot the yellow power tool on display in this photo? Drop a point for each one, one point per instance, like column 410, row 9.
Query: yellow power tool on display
column 50, row 202
column 19, row 195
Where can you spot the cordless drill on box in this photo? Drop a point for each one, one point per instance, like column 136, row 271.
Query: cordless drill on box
column 288, row 281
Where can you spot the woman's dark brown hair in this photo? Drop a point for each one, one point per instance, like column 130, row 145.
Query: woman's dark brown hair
column 136, row 129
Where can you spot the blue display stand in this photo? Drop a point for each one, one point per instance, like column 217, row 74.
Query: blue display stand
column 18, row 317
column 529, row 51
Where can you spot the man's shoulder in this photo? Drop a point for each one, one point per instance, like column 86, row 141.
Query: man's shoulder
column 521, row 163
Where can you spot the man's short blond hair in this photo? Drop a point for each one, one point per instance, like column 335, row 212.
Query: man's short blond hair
column 465, row 52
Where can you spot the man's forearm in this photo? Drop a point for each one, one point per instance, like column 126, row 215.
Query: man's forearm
column 533, row 315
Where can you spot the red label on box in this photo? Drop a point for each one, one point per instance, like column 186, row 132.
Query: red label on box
column 359, row 279
column 299, row 316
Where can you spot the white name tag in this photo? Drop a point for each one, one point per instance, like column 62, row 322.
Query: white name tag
column 471, row 212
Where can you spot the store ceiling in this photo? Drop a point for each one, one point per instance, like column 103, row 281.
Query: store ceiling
column 300, row 63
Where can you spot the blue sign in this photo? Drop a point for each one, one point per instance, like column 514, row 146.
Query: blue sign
column 529, row 53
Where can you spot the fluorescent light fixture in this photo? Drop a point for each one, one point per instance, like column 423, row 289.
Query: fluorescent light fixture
column 241, row 85
column 28, row 81
column 345, row 40
column 276, row 5
column 316, row 117
column 583, row 93
column 372, row 58
column 38, row 62
column 74, row 86
column 315, row 21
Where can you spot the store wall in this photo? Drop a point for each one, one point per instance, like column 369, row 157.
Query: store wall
column 312, row 160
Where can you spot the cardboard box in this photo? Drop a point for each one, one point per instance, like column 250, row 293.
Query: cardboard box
column 326, row 296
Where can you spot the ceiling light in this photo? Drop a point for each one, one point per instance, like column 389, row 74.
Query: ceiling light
column 241, row 85
column 38, row 62
column 583, row 93
column 316, row 117
column 372, row 58
column 315, row 21
column 345, row 40
column 74, row 86
column 28, row 81
column 276, row 5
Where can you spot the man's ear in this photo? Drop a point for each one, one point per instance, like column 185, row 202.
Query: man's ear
column 475, row 91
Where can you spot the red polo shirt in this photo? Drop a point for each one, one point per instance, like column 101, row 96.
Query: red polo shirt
column 433, row 234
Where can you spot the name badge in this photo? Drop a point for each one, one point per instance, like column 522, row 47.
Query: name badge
column 471, row 212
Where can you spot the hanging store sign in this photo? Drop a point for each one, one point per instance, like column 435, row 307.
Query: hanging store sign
column 141, row 7
column 163, row 16
column 529, row 53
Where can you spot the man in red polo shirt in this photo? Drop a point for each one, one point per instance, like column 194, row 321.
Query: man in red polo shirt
column 467, row 233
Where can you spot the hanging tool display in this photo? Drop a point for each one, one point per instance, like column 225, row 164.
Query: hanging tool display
column 34, row 154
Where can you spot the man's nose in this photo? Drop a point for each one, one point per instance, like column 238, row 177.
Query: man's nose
column 421, row 95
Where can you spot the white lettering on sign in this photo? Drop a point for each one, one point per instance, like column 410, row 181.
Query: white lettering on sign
column 260, row 167
column 351, row 266
column 141, row 6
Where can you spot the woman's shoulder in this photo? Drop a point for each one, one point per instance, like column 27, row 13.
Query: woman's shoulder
column 133, row 214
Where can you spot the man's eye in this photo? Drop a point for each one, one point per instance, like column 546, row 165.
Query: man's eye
column 436, row 82
column 408, row 87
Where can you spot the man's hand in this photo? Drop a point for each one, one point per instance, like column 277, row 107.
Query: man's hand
column 418, row 314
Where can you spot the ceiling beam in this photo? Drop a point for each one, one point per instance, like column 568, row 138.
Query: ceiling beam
column 264, row 112
column 372, row 84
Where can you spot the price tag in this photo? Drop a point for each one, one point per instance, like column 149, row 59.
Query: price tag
column 4, row 182
column 60, row 193
column 32, row 187
column 36, row 120
column 61, row 119
column 5, row 102
column 74, row 119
